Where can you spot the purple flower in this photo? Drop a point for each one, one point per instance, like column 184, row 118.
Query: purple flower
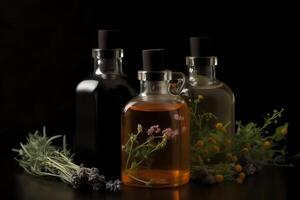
column 76, row 181
column 153, row 129
column 87, row 176
column 250, row 169
column 171, row 134
column 178, row 117
column 113, row 185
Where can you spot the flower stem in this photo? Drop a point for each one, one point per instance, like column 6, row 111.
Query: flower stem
column 139, row 180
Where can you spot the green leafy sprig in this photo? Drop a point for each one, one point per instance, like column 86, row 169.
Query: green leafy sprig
column 39, row 157
column 217, row 156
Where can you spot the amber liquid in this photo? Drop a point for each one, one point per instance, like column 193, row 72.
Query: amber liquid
column 169, row 166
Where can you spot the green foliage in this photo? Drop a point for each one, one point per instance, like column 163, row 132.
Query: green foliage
column 39, row 157
column 215, row 153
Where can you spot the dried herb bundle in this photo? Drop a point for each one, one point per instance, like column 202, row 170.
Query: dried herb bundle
column 39, row 157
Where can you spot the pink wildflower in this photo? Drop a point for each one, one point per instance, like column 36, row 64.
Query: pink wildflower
column 153, row 129
column 170, row 133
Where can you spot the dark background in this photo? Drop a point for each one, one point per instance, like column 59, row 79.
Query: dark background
column 45, row 51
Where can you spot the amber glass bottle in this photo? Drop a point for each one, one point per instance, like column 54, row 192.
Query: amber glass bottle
column 155, row 130
column 99, row 103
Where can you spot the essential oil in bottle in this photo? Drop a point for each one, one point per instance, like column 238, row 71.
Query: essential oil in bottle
column 155, row 130
column 203, row 90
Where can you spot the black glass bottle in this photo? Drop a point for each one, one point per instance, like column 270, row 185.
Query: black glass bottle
column 99, row 103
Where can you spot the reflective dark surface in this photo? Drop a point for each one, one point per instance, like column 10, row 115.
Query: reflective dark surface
column 271, row 183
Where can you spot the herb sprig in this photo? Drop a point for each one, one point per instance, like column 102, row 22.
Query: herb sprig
column 140, row 152
column 218, row 156
column 39, row 157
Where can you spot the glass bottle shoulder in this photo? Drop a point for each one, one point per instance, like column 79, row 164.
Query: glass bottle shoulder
column 106, row 83
column 216, row 87
column 155, row 102
column 87, row 85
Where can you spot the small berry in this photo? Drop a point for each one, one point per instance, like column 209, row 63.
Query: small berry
column 238, row 168
column 284, row 131
column 242, row 175
column 229, row 156
column 267, row 145
column 220, row 127
column 239, row 180
column 219, row 178
column 216, row 149
column 200, row 97
column 200, row 144
column 234, row 159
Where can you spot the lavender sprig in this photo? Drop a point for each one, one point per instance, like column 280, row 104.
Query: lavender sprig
column 39, row 157
column 113, row 185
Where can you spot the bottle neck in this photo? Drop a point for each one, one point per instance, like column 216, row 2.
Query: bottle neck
column 154, row 88
column 201, row 70
column 154, row 82
column 107, row 61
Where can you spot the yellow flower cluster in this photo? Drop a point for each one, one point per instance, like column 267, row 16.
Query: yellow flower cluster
column 220, row 127
column 199, row 99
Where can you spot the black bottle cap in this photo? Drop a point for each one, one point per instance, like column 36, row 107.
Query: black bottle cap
column 154, row 59
column 109, row 39
column 201, row 46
